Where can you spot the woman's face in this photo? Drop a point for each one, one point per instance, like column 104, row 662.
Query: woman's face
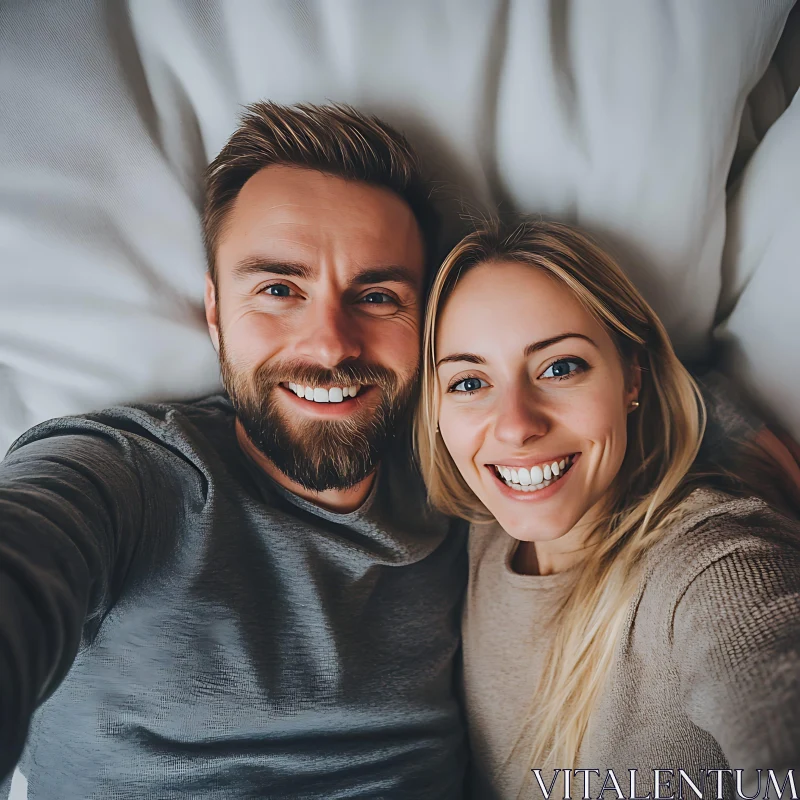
column 534, row 398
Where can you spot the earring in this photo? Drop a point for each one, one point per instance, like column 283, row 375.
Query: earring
column 634, row 405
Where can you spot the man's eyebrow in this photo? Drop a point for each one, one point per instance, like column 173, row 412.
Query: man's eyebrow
column 255, row 265
column 471, row 358
column 396, row 273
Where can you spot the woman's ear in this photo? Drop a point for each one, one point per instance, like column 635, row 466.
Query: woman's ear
column 633, row 384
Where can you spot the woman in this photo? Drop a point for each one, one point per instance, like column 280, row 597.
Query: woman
column 630, row 607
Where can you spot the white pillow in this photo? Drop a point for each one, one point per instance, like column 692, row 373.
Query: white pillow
column 621, row 116
column 762, row 274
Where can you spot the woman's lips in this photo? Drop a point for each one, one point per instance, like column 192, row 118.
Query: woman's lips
column 534, row 492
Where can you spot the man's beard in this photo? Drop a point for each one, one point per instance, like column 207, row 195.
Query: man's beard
column 319, row 454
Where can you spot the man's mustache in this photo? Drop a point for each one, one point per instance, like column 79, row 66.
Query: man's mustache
column 345, row 374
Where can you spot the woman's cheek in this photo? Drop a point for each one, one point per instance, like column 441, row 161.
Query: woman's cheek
column 459, row 436
column 597, row 417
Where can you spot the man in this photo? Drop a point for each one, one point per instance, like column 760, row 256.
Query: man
column 245, row 596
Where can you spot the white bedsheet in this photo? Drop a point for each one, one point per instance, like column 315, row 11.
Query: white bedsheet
column 621, row 116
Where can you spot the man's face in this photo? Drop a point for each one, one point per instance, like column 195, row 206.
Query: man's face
column 316, row 317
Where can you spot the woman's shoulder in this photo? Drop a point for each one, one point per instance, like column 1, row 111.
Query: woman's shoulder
column 733, row 544
column 720, row 522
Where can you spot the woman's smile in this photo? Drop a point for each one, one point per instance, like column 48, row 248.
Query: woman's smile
column 531, row 483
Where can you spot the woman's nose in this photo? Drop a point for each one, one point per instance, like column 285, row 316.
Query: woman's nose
column 519, row 418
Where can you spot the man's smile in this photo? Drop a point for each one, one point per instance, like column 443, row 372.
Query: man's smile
column 327, row 401
column 322, row 394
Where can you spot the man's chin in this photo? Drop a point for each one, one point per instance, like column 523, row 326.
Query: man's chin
column 319, row 455
column 320, row 446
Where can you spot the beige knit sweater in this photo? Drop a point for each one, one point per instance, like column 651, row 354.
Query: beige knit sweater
column 706, row 675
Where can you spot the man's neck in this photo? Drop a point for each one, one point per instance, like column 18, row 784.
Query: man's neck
column 340, row 501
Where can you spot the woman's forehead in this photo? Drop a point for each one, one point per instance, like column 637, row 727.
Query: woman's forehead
column 499, row 302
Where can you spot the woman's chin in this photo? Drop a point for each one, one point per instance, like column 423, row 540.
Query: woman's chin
column 531, row 524
column 533, row 530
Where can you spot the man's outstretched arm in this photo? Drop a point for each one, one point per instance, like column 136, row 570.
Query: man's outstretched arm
column 71, row 515
column 736, row 437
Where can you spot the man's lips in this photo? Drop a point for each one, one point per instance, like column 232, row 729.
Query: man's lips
column 323, row 408
column 324, row 393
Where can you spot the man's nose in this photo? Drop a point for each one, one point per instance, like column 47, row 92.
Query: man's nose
column 519, row 418
column 329, row 335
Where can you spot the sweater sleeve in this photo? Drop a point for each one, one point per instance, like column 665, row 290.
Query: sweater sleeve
column 71, row 512
column 736, row 646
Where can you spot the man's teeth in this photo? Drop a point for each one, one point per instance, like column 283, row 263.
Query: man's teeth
column 319, row 395
column 537, row 477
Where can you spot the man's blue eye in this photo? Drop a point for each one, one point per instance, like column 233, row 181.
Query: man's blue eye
column 278, row 290
column 379, row 298
column 562, row 368
column 469, row 385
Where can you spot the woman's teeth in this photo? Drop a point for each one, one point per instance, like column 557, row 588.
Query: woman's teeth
column 319, row 395
column 535, row 478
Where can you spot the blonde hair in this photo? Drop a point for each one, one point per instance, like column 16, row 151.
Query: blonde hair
column 663, row 441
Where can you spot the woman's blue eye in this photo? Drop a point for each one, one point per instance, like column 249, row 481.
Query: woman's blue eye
column 469, row 385
column 562, row 368
column 279, row 290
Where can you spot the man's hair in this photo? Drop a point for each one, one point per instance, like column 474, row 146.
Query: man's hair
column 334, row 139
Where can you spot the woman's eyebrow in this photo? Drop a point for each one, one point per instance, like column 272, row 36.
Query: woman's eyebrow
column 470, row 358
column 534, row 347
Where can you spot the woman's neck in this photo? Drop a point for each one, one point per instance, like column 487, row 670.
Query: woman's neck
column 557, row 555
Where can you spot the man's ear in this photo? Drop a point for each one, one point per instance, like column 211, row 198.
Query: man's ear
column 212, row 311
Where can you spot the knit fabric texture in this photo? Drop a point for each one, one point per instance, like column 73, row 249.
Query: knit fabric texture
column 174, row 624
column 705, row 676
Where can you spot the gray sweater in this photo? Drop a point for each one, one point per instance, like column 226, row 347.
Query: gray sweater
column 186, row 628
column 706, row 674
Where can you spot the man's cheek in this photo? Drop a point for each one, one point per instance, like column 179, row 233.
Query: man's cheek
column 395, row 348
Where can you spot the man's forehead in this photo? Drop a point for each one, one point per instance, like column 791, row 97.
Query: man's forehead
column 293, row 196
column 297, row 210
